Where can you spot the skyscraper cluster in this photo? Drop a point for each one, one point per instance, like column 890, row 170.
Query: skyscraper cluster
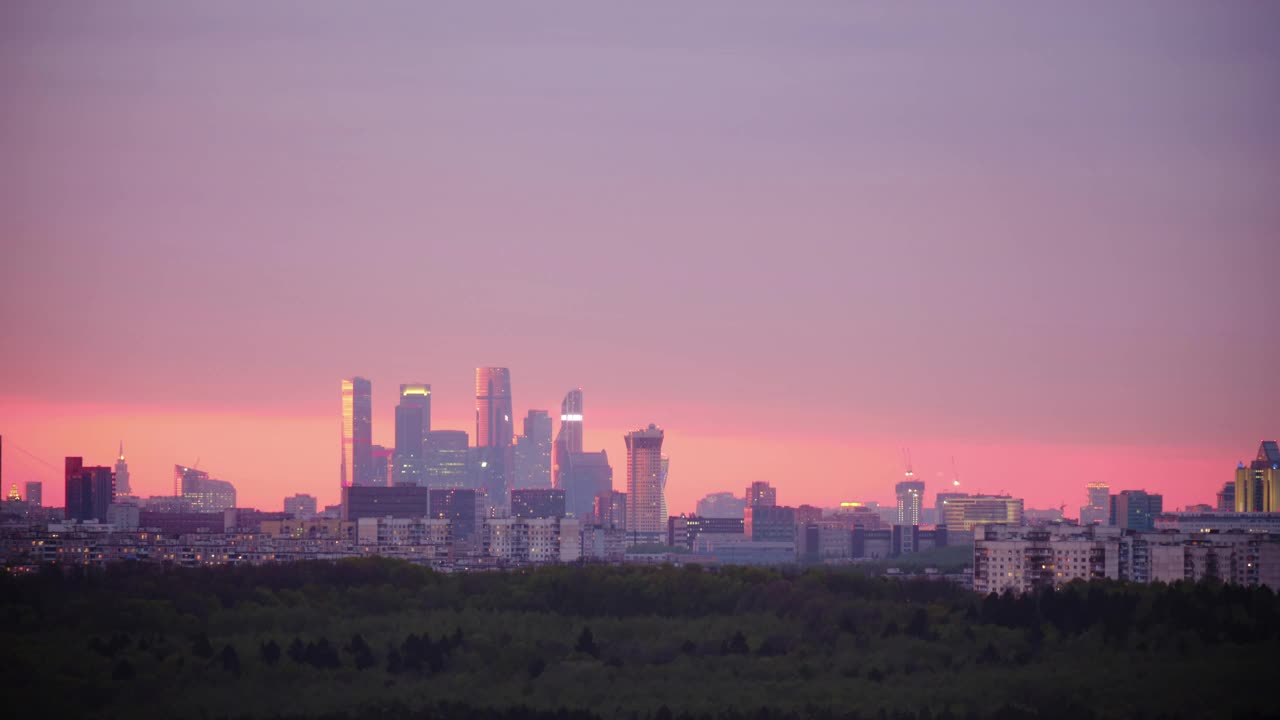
column 501, row 462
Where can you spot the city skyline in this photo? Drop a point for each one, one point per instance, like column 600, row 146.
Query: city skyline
column 1011, row 235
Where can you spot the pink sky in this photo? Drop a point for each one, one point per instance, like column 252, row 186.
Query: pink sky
column 799, row 238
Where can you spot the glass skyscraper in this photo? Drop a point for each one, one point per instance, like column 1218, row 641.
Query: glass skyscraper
column 494, row 427
column 533, row 452
column 357, row 432
column 494, row 432
column 413, row 422
column 569, row 439
column 645, row 504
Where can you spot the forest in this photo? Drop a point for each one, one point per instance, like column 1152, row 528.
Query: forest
column 377, row 638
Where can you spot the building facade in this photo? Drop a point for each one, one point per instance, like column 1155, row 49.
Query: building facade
column 1258, row 483
column 300, row 506
column 645, row 503
column 533, row 452
column 569, row 439
column 910, row 497
column 761, row 494
column 966, row 512
column 527, row 503
column 90, row 490
column 1135, row 509
column 447, row 459
column 722, row 505
column 374, row 502
column 413, row 422
column 585, row 476
column 357, row 432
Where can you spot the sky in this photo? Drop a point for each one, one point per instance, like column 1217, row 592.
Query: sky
column 1035, row 243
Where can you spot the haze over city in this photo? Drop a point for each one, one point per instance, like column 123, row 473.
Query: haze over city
column 1039, row 240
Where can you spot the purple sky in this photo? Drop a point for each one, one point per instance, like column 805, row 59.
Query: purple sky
column 811, row 232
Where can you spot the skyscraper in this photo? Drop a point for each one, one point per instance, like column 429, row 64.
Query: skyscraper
column 584, row 477
column 202, row 493
column 1135, row 509
column 383, row 466
column 493, row 407
column 1099, row 508
column 35, row 494
column 413, row 422
column 445, row 453
column 645, row 519
column 761, row 494
column 122, row 474
column 910, row 494
column 1258, row 483
column 533, row 452
column 569, row 439
column 357, row 432
column 493, row 435
column 89, row 490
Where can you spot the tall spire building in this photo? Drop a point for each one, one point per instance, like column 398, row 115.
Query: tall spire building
column 645, row 503
column 569, row 439
column 122, row 473
column 494, row 432
column 357, row 432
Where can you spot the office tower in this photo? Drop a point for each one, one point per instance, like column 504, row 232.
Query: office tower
column 418, row 395
column 965, row 512
column 769, row 523
column 533, row 452
column 382, row 466
column 1258, row 483
column 89, row 490
column 458, row 506
column 910, row 495
column 761, row 494
column 493, row 407
column 1135, row 509
column 379, row 502
column 537, row 502
column 569, row 439
column 357, row 432
column 611, row 509
column 14, row 495
column 493, row 435
column 201, row 493
column 413, row 422
column 1227, row 497
column 1099, row 508
column 585, row 476
column 446, row 459
column 940, row 505
column 35, row 494
column 300, row 506
column 122, row 473
column 721, row 505
column 645, row 520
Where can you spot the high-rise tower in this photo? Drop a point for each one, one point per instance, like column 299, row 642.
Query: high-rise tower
column 569, row 439
column 910, row 493
column 357, row 432
column 122, row 473
column 533, row 452
column 494, row 427
column 1258, row 483
column 493, row 434
column 413, row 422
column 645, row 521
